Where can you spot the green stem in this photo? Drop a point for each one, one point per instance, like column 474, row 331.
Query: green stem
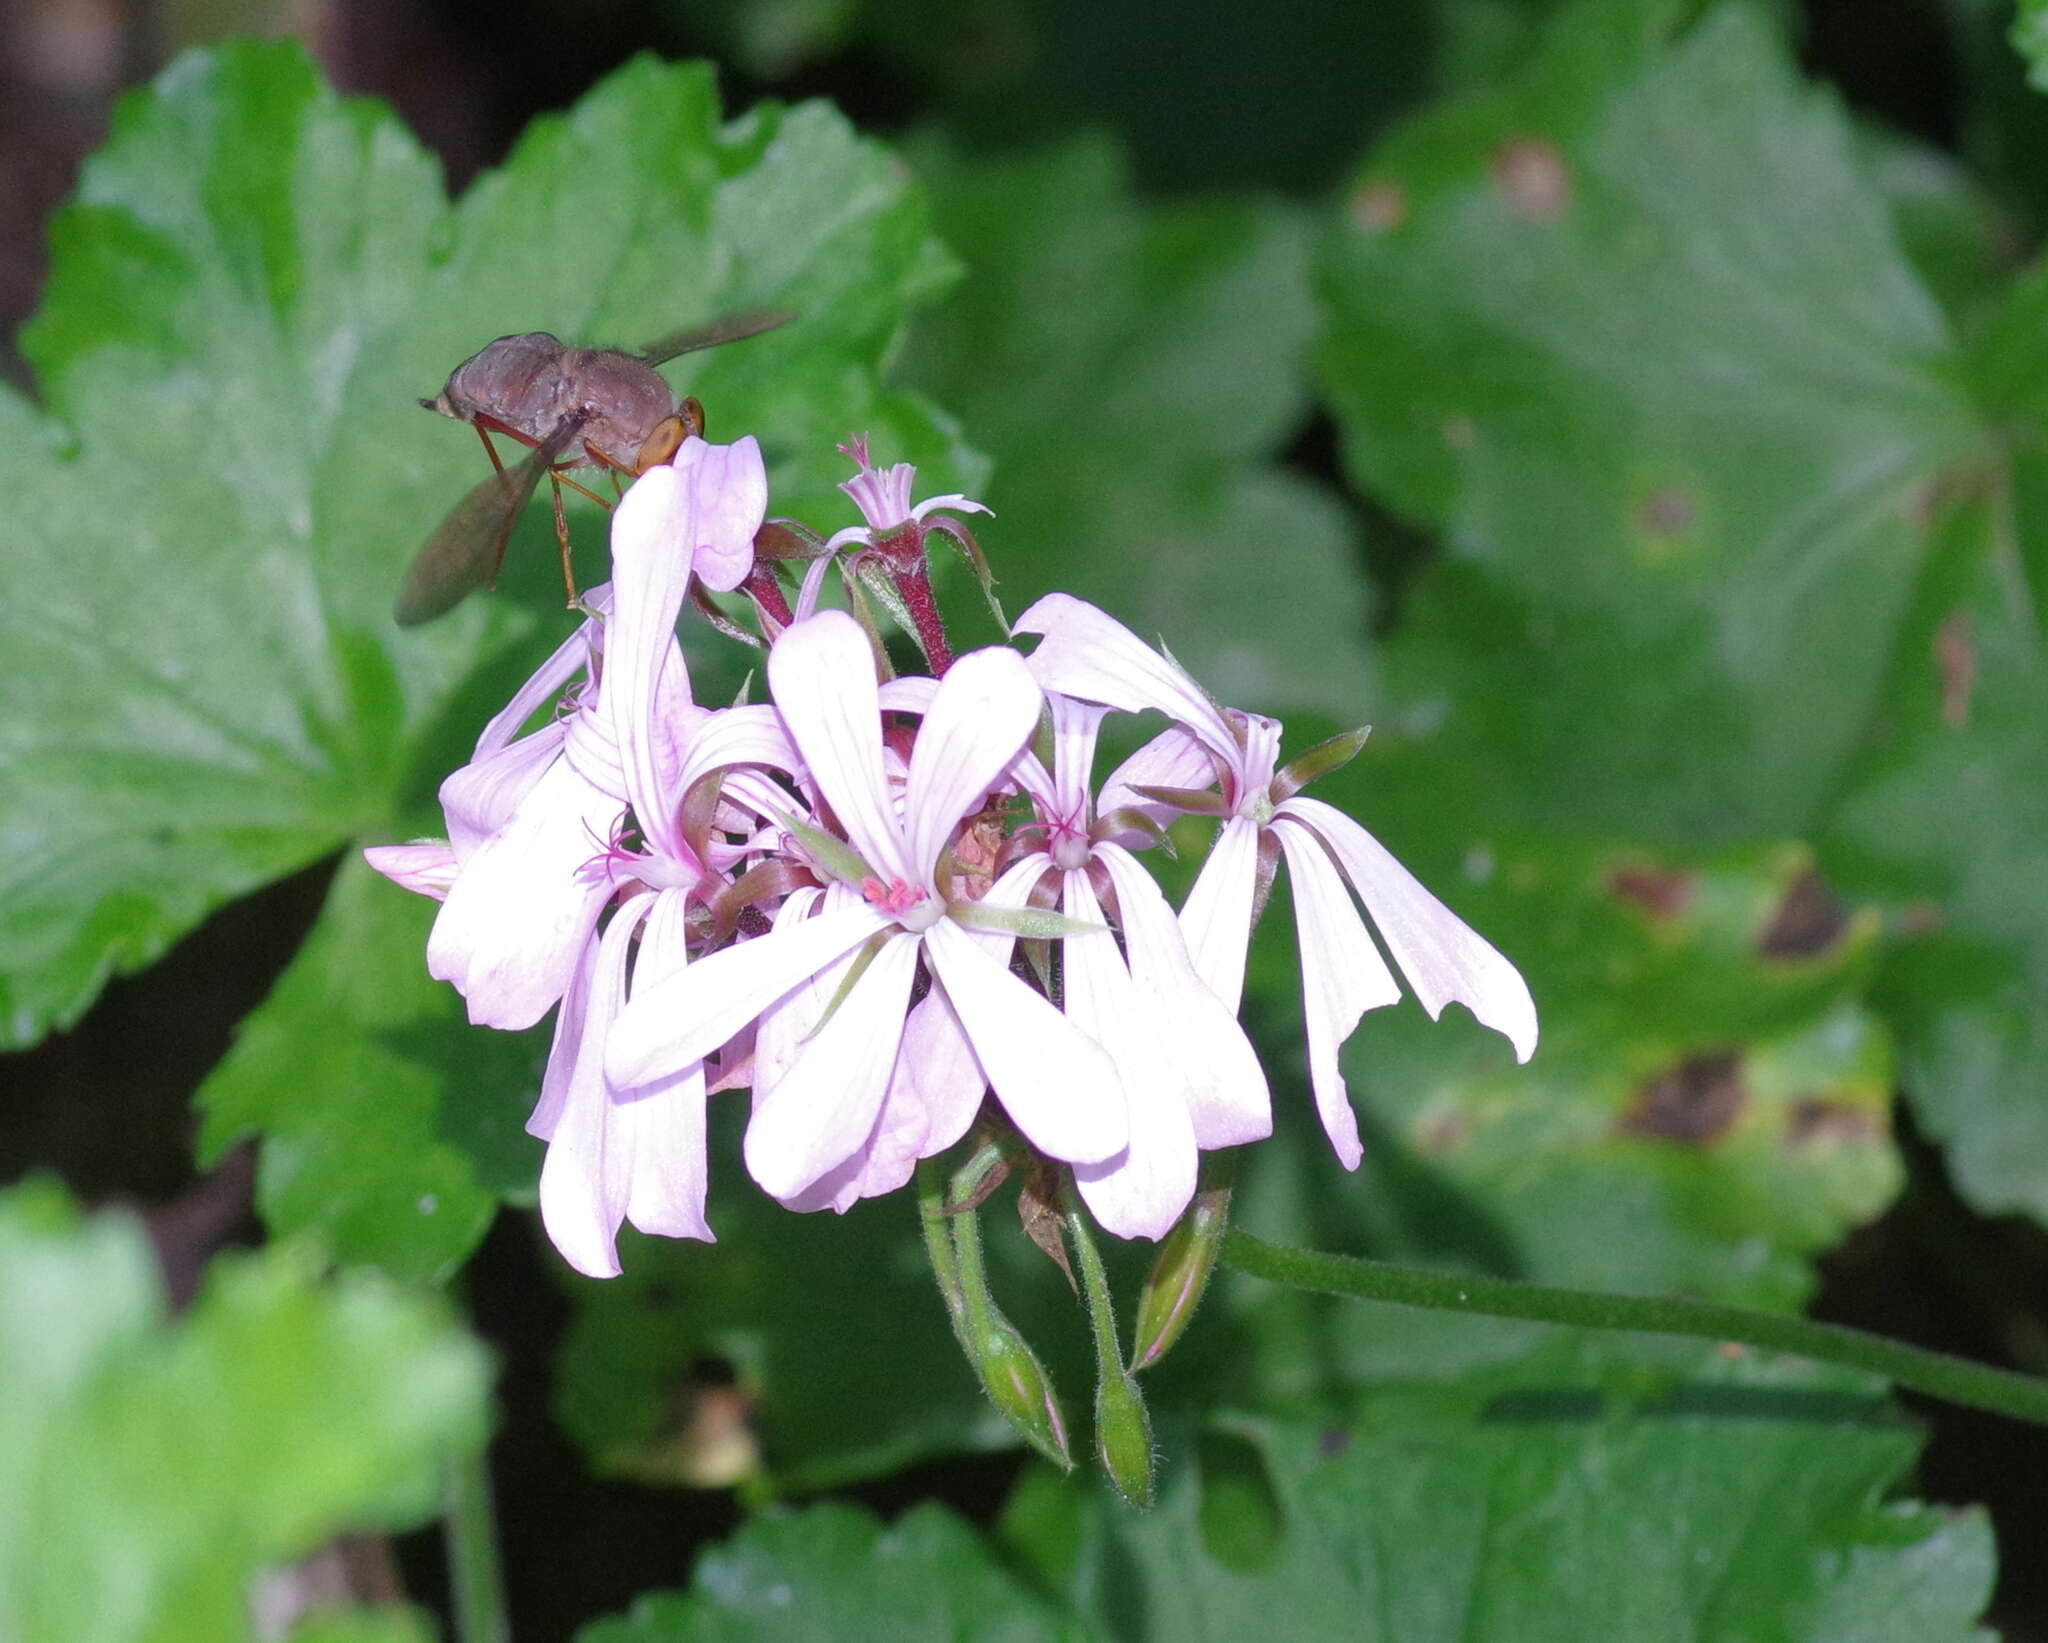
column 475, row 1574
column 1957, row 1380
column 1123, row 1429
column 1094, row 1285
column 938, row 1245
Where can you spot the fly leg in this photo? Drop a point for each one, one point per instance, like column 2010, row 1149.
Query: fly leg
column 562, row 536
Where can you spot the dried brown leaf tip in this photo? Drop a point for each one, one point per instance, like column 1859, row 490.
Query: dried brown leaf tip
column 1662, row 892
column 1809, row 921
column 1694, row 1102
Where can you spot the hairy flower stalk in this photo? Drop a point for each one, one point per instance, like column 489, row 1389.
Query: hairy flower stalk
column 821, row 898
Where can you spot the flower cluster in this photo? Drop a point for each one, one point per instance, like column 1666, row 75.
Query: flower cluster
column 879, row 901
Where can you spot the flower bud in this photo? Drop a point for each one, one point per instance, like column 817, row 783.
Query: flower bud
column 1173, row 1288
column 1019, row 1386
column 1123, row 1437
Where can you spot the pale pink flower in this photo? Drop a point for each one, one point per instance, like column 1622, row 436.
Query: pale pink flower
column 1190, row 1074
column 1088, row 654
column 883, row 497
column 823, row 1106
column 619, row 1152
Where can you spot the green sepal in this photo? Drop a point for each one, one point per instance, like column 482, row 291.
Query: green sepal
column 1320, row 760
column 835, row 856
column 1026, row 923
column 1196, row 801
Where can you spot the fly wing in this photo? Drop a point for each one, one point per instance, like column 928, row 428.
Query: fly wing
column 731, row 328
column 467, row 547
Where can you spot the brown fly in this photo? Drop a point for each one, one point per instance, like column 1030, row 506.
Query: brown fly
column 603, row 408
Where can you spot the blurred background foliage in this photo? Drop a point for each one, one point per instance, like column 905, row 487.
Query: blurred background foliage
column 1633, row 408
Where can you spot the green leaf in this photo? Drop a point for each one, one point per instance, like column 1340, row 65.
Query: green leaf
column 255, row 283
column 1137, row 369
column 154, row 1469
column 1948, row 821
column 834, row 1575
column 389, row 1123
column 1560, row 1500
column 2030, row 38
column 1677, row 433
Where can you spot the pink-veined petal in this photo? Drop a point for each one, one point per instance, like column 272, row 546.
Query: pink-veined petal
column 1088, row 653
column 734, row 737
column 784, row 1025
column 427, row 866
column 937, row 1068
column 661, row 1125
column 584, row 1181
column 650, row 572
column 951, row 502
column 571, row 657
column 564, row 1047
column 518, row 914
column 684, row 1017
column 1141, row 1190
column 1442, row 957
column 822, row 1109
column 909, row 693
column 482, row 796
column 726, row 488
column 1217, row 917
column 1342, row 976
column 823, row 675
column 1225, row 1087
column 986, row 707
column 1075, row 726
column 1176, row 757
column 1057, row 1084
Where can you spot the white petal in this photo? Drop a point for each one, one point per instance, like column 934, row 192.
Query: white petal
column 1443, row 958
column 1224, row 1086
column 1217, row 918
column 1074, row 729
column 1342, row 976
column 937, row 1068
column 686, row 1016
column 909, row 693
column 1140, row 1192
column 517, row 916
column 480, row 797
column 822, row 1109
column 823, row 675
column 1057, row 1084
column 660, row 1126
column 427, row 866
column 650, row 571
column 563, row 1048
column 1088, row 653
column 584, row 1180
column 571, row 657
column 736, row 736
column 727, row 488
column 787, row 1022
column 986, row 708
